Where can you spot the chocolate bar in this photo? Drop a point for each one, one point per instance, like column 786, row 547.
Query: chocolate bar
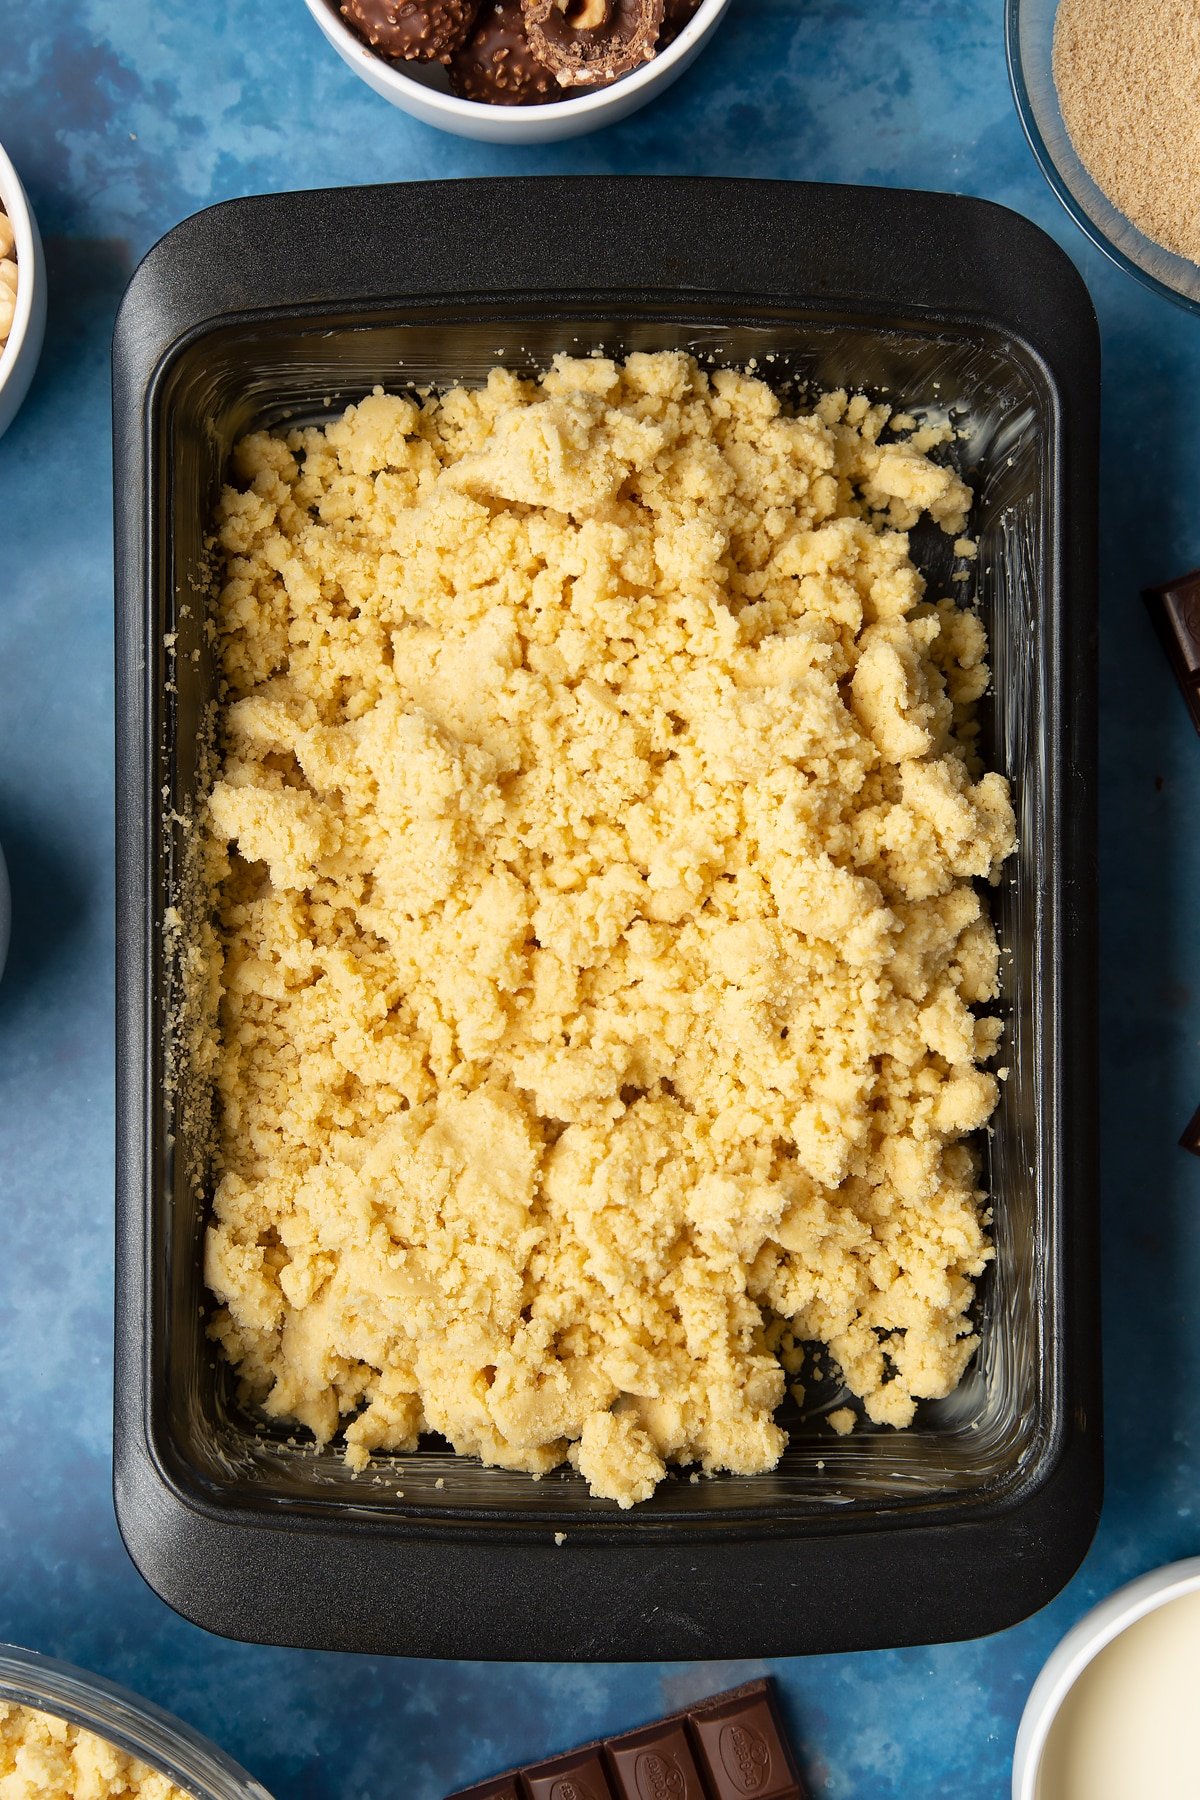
column 1191, row 1134
column 732, row 1747
column 1175, row 609
column 496, row 65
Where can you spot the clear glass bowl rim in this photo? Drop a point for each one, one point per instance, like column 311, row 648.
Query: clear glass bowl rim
column 134, row 1725
column 1090, row 227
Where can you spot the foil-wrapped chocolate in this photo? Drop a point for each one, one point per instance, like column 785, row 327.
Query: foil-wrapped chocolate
column 497, row 65
column 412, row 30
column 589, row 43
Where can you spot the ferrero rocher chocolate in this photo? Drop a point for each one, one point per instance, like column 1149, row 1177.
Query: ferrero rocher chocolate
column 497, row 65
column 411, row 30
column 586, row 54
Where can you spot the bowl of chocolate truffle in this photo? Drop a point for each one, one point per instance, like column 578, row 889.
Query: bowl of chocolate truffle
column 1109, row 101
column 518, row 71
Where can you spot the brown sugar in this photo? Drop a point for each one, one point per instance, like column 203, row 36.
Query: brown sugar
column 1128, row 80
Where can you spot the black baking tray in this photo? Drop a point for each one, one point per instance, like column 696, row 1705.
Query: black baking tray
column 293, row 304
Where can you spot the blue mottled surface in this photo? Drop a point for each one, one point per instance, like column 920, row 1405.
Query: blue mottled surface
column 124, row 115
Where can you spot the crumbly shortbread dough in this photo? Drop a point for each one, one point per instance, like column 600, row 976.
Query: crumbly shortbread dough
column 8, row 277
column 47, row 1758
column 595, row 850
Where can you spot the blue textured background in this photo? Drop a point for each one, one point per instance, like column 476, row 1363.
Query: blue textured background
column 124, row 115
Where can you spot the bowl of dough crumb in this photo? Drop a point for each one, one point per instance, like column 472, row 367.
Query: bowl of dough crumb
column 22, row 293
column 1106, row 94
column 66, row 1734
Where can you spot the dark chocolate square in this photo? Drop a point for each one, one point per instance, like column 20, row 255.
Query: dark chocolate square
column 577, row 1776
column 1191, row 1134
column 655, row 1763
column 1175, row 609
column 1181, row 603
column 742, row 1751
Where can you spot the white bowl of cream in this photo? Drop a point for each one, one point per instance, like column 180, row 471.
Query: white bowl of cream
column 1115, row 1713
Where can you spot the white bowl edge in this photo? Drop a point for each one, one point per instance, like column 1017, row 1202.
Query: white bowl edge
column 19, row 357
column 1082, row 1643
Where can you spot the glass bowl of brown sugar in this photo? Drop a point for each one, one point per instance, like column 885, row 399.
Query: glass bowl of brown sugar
column 1108, row 93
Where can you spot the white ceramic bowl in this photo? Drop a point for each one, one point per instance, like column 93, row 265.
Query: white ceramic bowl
column 1067, row 1663
column 422, row 89
column 18, row 359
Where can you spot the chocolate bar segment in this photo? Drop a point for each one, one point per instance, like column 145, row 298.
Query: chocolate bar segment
column 1175, row 609
column 577, row 1776
column 1191, row 1134
column 732, row 1747
column 743, row 1752
column 655, row 1763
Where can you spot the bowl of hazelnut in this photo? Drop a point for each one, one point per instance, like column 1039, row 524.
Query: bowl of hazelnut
column 518, row 71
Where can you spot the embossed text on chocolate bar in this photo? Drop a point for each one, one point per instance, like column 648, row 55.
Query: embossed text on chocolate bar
column 732, row 1747
column 655, row 1763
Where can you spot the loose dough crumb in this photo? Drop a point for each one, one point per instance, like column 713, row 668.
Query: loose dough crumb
column 842, row 1421
column 595, row 853
column 9, row 277
column 46, row 1758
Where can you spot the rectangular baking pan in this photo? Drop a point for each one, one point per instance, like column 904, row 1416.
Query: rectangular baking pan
column 293, row 305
